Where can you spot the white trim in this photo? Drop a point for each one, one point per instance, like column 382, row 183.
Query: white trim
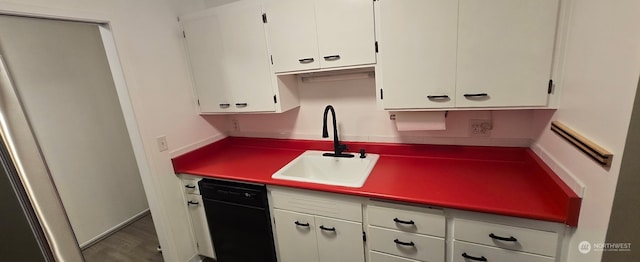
column 193, row 146
column 114, row 229
column 149, row 181
column 569, row 178
column 52, row 13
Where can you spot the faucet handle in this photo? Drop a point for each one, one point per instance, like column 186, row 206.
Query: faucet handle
column 363, row 154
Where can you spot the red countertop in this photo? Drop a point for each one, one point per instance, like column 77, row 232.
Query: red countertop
column 497, row 180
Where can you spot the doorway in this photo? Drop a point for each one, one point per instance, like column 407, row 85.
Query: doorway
column 62, row 77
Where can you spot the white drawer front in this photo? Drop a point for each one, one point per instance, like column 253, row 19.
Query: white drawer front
column 430, row 222
column 514, row 238
column 382, row 257
column 420, row 247
column 487, row 253
column 316, row 203
column 190, row 185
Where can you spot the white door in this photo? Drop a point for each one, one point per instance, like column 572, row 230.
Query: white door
column 246, row 59
column 505, row 51
column 296, row 236
column 345, row 32
column 339, row 240
column 200, row 226
column 229, row 59
column 292, row 36
column 204, row 46
column 417, row 52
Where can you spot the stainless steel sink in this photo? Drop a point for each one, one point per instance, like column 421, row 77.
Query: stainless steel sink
column 312, row 167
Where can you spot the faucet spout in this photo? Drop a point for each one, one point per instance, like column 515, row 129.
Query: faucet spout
column 337, row 147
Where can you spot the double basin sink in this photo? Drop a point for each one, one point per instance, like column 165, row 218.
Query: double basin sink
column 312, row 167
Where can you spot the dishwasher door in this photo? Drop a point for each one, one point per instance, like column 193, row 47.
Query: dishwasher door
column 239, row 221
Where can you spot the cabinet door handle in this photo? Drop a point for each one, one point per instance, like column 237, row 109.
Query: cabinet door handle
column 476, row 95
column 301, row 224
column 190, row 186
column 241, row 104
column 333, row 229
column 441, row 97
column 482, row 258
column 411, row 244
column 410, row 222
column 509, row 239
column 193, row 203
column 224, row 105
column 306, row 60
column 332, row 57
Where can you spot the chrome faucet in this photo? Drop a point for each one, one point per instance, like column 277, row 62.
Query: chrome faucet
column 337, row 147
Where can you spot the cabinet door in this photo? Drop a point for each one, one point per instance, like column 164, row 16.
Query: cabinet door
column 417, row 52
column 345, row 32
column 339, row 240
column 204, row 46
column 200, row 226
column 292, row 36
column 505, row 51
column 229, row 59
column 296, row 236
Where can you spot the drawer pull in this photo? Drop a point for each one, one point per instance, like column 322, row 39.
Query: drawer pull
column 410, row 222
column 301, row 224
column 332, row 57
column 193, row 203
column 333, row 229
column 190, row 186
column 411, row 244
column 306, row 60
column 442, row 97
column 482, row 258
column 224, row 105
column 509, row 239
column 241, row 104
column 478, row 95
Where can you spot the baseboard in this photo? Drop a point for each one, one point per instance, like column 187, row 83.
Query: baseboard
column 114, row 229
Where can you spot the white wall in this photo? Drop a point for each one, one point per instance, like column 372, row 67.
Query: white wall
column 150, row 48
column 601, row 71
column 360, row 120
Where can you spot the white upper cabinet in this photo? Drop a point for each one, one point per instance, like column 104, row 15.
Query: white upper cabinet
column 465, row 53
column 291, row 31
column 417, row 53
column 230, row 63
column 505, row 52
column 315, row 34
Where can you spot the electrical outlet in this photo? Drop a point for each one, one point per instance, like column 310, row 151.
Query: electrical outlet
column 480, row 128
column 162, row 143
column 235, row 125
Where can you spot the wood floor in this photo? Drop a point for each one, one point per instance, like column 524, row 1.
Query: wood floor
column 136, row 242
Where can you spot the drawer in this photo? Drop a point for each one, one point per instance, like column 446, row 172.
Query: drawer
column 190, row 185
column 429, row 222
column 382, row 257
column 316, row 203
column 514, row 238
column 487, row 253
column 409, row 245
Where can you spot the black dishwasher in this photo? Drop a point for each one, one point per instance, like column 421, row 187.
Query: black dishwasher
column 239, row 221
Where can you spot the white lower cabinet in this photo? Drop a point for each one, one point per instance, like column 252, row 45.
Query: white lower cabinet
column 329, row 230
column 198, row 217
column 467, row 252
column 314, row 226
column 382, row 257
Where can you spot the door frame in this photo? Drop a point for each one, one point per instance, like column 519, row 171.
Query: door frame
column 38, row 184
